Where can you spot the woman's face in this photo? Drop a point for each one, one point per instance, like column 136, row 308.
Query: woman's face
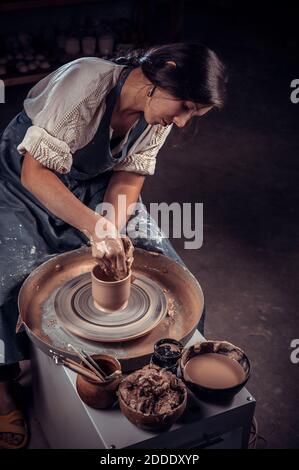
column 162, row 108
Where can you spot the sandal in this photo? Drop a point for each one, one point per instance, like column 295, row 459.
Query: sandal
column 7, row 426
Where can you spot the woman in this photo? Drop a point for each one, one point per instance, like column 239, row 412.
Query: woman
column 89, row 131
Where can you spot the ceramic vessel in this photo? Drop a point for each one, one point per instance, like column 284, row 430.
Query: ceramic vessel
column 100, row 395
column 110, row 296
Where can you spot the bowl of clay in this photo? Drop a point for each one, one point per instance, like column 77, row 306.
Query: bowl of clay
column 214, row 370
column 152, row 398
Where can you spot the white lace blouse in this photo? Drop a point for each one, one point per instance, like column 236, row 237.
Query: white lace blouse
column 66, row 108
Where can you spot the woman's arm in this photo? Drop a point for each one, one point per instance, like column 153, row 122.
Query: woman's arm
column 58, row 199
column 124, row 183
column 55, row 196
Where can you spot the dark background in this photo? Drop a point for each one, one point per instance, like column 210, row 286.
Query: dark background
column 242, row 164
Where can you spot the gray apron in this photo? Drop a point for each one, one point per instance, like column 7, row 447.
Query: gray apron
column 30, row 234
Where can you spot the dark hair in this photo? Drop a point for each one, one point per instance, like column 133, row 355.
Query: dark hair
column 199, row 74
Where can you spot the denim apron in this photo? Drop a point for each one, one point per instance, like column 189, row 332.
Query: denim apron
column 30, row 234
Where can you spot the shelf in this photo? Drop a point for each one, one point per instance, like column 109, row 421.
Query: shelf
column 23, row 79
column 30, row 4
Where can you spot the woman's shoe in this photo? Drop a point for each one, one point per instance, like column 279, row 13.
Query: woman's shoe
column 8, row 425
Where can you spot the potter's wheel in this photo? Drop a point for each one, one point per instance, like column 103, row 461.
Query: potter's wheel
column 76, row 311
column 63, row 282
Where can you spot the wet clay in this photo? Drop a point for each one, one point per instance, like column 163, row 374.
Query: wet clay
column 152, row 391
column 214, row 371
column 113, row 271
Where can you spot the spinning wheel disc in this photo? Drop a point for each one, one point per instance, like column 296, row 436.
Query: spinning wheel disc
column 76, row 311
column 46, row 284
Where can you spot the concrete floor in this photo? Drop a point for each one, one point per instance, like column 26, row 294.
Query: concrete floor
column 243, row 166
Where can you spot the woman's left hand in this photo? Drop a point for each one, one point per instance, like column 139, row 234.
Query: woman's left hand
column 114, row 256
column 114, row 253
column 129, row 250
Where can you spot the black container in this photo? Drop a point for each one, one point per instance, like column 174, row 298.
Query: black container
column 167, row 353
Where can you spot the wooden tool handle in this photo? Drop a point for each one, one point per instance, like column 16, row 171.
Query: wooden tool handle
column 74, row 366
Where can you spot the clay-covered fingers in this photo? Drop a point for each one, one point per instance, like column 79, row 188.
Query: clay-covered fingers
column 129, row 250
column 116, row 255
column 113, row 255
column 104, row 266
column 128, row 245
column 98, row 248
column 121, row 265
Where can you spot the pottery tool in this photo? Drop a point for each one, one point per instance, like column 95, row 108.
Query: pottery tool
column 77, row 368
column 106, row 377
column 86, row 362
column 112, row 376
column 93, row 362
column 89, row 375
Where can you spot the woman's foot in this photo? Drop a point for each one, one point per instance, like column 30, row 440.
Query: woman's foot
column 7, row 405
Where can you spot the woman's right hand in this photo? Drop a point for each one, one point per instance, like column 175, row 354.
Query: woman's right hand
column 107, row 245
column 109, row 250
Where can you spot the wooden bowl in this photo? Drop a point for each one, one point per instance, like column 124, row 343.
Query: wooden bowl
column 100, row 395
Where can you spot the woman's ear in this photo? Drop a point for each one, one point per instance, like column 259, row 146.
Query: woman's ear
column 151, row 92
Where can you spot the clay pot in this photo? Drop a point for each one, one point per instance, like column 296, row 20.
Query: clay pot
column 89, row 45
column 110, row 296
column 72, row 46
column 100, row 395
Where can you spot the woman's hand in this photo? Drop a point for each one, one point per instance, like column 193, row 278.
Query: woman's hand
column 114, row 253
column 129, row 250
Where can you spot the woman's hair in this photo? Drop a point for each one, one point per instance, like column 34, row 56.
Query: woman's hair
column 198, row 74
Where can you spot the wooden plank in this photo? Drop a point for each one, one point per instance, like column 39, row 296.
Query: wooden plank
column 23, row 79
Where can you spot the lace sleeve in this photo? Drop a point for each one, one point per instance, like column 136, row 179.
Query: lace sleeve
column 144, row 161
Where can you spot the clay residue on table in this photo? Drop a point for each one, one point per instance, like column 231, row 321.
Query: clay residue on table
column 152, row 391
column 171, row 307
